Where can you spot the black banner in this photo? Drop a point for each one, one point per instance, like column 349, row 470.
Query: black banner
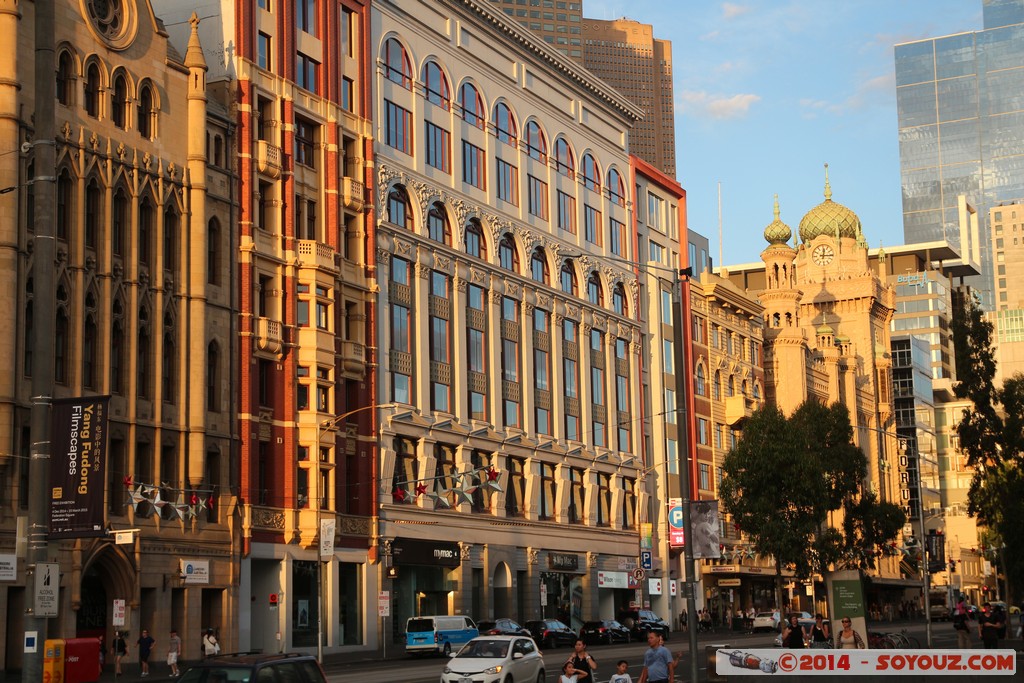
column 78, row 460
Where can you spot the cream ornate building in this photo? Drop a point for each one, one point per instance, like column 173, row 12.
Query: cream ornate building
column 827, row 313
column 144, row 314
column 511, row 322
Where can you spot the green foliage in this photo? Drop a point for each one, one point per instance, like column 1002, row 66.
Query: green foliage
column 786, row 476
column 992, row 435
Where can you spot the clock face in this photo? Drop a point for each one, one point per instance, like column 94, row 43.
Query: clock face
column 823, row 254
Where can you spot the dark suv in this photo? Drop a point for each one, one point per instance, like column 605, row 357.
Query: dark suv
column 641, row 622
column 246, row 667
column 501, row 627
column 550, row 633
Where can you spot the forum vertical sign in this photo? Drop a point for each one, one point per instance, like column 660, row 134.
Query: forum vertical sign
column 78, row 462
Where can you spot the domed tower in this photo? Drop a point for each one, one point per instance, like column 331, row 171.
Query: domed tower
column 785, row 341
column 832, row 240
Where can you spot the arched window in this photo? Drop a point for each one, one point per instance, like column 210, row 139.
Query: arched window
column 539, row 266
column 213, row 377
column 701, row 386
column 716, row 387
column 147, row 113
column 505, row 124
column 437, row 223
column 397, row 67
column 93, row 213
column 65, row 204
column 146, row 223
column 591, row 174
column 116, row 359
column 472, row 106
column 595, row 294
column 568, row 279
column 119, row 222
column 168, row 376
column 619, row 300
column 213, row 252
column 119, row 112
column 436, row 83
column 92, row 91
column 757, row 390
column 564, row 161
column 508, row 255
column 60, row 348
column 170, row 239
column 536, row 145
column 616, row 188
column 475, row 245
column 398, row 207
column 65, row 78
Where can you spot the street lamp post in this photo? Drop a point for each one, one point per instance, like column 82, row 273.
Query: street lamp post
column 680, row 322
column 322, row 428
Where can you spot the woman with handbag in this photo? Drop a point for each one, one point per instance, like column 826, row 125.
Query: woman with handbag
column 211, row 647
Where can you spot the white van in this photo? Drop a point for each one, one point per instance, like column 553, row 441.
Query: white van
column 438, row 634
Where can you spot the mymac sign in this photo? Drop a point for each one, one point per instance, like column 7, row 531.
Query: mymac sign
column 440, row 553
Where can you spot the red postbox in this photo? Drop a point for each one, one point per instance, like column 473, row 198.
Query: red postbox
column 81, row 660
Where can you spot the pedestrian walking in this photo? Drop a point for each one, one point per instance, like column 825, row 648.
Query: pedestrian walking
column 173, row 652
column 793, row 635
column 848, row 638
column 584, row 666
column 821, row 633
column 211, row 647
column 961, row 617
column 621, row 674
column 659, row 665
column 990, row 623
column 145, row 643
column 120, row 650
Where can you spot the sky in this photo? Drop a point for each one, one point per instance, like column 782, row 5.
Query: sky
column 769, row 91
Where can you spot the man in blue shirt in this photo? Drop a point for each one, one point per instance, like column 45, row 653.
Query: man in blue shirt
column 659, row 666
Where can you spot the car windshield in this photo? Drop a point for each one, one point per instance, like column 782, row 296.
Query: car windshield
column 484, row 649
column 234, row 674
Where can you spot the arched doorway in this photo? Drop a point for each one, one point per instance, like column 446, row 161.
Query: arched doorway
column 502, row 587
column 107, row 575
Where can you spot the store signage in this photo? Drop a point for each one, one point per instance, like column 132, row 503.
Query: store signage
column 563, row 561
column 914, row 279
column 439, row 553
column 612, row 580
column 730, row 583
column 78, row 472
column 195, row 571
column 8, row 567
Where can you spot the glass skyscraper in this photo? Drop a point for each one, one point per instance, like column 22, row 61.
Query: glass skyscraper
column 960, row 101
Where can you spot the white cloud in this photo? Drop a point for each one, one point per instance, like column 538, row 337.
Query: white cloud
column 731, row 10
column 718, row 107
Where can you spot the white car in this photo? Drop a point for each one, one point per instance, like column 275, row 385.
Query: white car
column 769, row 621
column 496, row 659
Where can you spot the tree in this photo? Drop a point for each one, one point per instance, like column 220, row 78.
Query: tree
column 786, row 479
column 991, row 433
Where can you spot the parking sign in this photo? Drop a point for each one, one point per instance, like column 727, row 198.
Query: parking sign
column 646, row 559
column 676, row 538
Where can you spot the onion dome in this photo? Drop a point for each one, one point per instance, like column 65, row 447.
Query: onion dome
column 825, row 329
column 829, row 218
column 777, row 232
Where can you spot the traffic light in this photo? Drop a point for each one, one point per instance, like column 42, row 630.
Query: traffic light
column 952, row 566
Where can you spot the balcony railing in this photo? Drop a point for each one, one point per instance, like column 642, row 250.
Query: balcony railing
column 738, row 408
column 268, row 335
column 352, row 193
column 313, row 253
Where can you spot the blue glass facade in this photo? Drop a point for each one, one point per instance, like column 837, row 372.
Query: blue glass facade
column 960, row 103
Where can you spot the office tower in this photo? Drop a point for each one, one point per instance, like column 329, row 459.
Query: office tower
column 622, row 52
column 626, row 55
column 961, row 129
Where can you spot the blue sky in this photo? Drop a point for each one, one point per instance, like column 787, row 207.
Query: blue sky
column 768, row 91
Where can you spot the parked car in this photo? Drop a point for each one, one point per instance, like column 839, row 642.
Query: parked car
column 605, row 631
column 640, row 622
column 769, row 621
column 496, row 659
column 550, row 633
column 294, row 667
column 501, row 627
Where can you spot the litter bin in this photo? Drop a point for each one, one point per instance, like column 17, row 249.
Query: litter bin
column 711, row 652
column 74, row 660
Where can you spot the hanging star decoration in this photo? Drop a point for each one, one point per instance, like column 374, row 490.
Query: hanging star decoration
column 141, row 493
column 464, row 485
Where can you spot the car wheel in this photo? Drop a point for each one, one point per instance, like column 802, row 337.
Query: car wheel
column 447, row 651
column 540, row 676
